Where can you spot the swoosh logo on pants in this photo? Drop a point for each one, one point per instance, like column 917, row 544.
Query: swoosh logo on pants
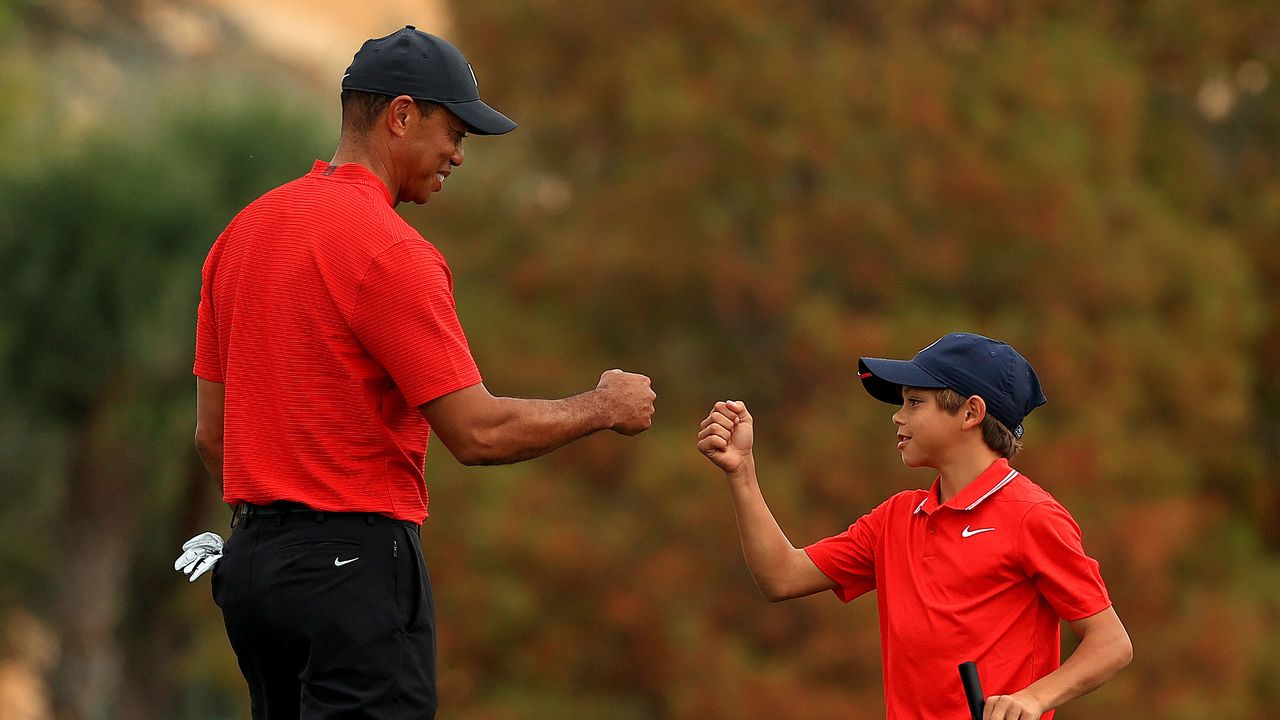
column 340, row 563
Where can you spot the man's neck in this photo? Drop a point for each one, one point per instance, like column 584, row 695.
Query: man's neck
column 375, row 162
column 957, row 472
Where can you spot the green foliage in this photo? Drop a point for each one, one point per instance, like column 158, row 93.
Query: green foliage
column 100, row 253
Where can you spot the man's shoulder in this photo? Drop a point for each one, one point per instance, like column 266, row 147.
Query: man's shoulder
column 352, row 215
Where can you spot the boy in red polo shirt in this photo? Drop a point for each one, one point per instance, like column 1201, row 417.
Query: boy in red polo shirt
column 981, row 566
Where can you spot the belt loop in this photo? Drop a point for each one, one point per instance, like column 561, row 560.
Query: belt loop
column 234, row 512
column 370, row 518
column 319, row 516
column 280, row 517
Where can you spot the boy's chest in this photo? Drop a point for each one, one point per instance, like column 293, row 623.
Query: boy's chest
column 953, row 555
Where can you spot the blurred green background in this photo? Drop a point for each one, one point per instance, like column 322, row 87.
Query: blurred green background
column 736, row 197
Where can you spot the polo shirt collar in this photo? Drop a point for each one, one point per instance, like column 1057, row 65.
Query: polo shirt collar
column 984, row 486
column 353, row 173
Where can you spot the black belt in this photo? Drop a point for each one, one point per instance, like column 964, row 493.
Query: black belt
column 285, row 510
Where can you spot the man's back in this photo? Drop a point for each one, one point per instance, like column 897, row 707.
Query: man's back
column 331, row 321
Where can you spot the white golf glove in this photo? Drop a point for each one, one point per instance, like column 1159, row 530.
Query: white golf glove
column 199, row 555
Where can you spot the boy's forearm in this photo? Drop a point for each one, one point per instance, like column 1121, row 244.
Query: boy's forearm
column 765, row 547
column 1100, row 655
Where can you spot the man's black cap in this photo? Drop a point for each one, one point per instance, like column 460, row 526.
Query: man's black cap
column 424, row 67
column 968, row 363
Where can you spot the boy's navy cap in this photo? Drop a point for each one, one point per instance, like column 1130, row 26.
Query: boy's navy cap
column 424, row 67
column 968, row 363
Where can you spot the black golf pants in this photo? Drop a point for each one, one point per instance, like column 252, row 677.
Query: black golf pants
column 330, row 615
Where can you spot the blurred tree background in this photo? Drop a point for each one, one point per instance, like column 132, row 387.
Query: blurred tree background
column 737, row 197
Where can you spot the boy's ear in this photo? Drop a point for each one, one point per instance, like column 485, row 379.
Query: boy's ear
column 974, row 412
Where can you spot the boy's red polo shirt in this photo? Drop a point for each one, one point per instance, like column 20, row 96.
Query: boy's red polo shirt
column 985, row 577
column 329, row 320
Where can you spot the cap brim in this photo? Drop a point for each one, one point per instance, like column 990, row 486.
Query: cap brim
column 480, row 118
column 884, row 379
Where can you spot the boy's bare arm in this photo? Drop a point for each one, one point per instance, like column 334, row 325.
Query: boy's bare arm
column 1104, row 650
column 781, row 570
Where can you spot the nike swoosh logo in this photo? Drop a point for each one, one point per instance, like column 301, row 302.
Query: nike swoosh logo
column 340, row 563
column 966, row 532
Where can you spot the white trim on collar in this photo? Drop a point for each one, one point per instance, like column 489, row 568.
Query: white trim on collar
column 1007, row 478
column 920, row 507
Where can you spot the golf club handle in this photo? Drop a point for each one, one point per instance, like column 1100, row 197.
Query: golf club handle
column 972, row 688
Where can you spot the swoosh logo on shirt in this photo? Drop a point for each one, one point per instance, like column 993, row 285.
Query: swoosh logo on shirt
column 966, row 532
column 340, row 563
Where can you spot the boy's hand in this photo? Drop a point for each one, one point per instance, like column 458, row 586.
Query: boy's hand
column 1012, row 707
column 727, row 435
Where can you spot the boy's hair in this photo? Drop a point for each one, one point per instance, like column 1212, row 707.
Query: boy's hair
column 997, row 437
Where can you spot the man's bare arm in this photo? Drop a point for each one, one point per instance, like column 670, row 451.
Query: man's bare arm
column 481, row 429
column 210, row 407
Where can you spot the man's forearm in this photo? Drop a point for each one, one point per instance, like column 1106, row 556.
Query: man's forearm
column 480, row 429
column 211, row 456
column 210, row 421
column 521, row 429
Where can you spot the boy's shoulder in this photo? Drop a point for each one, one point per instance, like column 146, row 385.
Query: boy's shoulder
column 1025, row 490
column 1023, row 495
column 907, row 501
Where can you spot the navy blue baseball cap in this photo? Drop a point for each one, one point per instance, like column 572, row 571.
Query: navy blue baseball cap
column 968, row 363
column 424, row 67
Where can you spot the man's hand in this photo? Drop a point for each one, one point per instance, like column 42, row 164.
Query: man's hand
column 631, row 396
column 727, row 435
column 1018, row 706
column 199, row 554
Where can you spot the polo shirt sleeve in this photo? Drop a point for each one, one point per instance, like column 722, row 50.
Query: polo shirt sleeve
column 406, row 318
column 208, row 354
column 1054, row 558
column 849, row 558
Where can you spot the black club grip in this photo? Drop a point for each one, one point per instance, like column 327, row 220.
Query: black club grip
column 972, row 689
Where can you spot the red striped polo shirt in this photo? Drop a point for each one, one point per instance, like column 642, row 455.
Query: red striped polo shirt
column 329, row 320
column 988, row 577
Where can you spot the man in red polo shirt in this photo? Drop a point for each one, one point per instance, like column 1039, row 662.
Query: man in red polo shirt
column 981, row 566
column 328, row 348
